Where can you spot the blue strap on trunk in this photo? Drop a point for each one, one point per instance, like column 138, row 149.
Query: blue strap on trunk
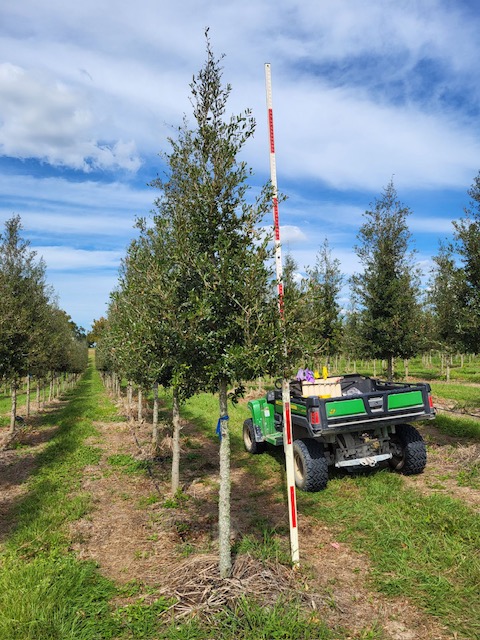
column 218, row 430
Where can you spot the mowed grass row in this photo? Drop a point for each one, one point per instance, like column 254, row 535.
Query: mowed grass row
column 423, row 547
column 47, row 593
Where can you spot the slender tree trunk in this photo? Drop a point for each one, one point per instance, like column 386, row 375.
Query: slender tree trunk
column 390, row 367
column 155, row 432
column 139, row 416
column 130, row 399
column 27, row 406
column 225, row 552
column 13, row 413
column 38, row 395
column 177, row 427
column 405, row 362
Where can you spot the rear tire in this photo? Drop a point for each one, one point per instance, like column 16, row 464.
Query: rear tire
column 310, row 464
column 413, row 457
column 249, row 441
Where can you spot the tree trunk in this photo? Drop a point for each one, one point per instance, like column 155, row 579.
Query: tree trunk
column 139, row 416
column 130, row 399
column 225, row 553
column 177, row 427
column 390, row 367
column 13, row 414
column 27, row 406
column 155, row 432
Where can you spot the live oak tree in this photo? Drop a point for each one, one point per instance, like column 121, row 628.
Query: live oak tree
column 387, row 290
column 159, row 320
column 97, row 329
column 467, row 245
column 220, row 254
column 23, row 294
column 323, row 284
column 35, row 336
column 446, row 301
column 297, row 321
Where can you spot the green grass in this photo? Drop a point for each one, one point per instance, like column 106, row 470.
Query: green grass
column 127, row 463
column 466, row 397
column 458, row 426
column 421, row 547
column 417, row 368
column 270, row 545
column 45, row 592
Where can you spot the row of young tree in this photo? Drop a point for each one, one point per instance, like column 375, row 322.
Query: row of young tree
column 38, row 340
column 192, row 309
column 391, row 315
column 196, row 309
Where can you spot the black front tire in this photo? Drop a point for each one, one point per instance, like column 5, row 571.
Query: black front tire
column 311, row 467
column 249, row 441
column 412, row 457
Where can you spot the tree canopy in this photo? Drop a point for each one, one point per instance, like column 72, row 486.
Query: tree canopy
column 387, row 290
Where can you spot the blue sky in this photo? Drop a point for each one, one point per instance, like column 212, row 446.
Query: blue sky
column 363, row 91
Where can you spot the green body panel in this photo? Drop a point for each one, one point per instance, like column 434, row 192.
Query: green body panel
column 352, row 407
column 262, row 416
column 403, row 400
column 299, row 409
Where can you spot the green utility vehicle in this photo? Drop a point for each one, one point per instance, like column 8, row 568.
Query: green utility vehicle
column 361, row 423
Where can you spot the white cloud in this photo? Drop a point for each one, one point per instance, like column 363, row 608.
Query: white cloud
column 291, row 234
column 49, row 121
column 345, row 139
column 113, row 84
column 64, row 258
column 433, row 225
column 56, row 206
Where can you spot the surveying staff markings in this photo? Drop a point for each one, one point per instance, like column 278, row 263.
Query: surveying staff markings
column 287, row 417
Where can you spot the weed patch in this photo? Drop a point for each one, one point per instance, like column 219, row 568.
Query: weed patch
column 127, row 463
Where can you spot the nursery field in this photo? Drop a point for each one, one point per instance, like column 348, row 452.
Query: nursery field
column 93, row 545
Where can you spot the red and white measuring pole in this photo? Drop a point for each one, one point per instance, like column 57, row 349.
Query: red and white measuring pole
column 287, row 415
